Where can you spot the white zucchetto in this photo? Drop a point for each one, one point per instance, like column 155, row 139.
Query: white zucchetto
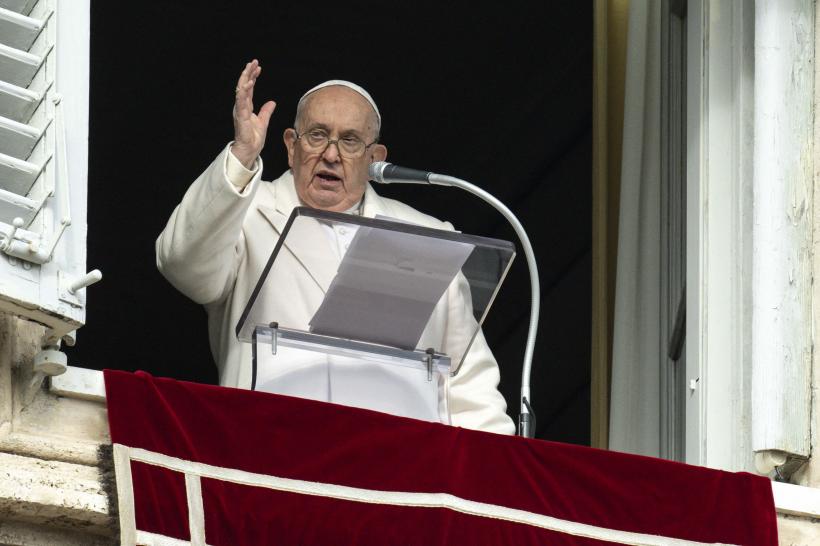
column 350, row 85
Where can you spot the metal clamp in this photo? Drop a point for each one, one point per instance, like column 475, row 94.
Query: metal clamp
column 526, row 421
column 429, row 354
column 274, row 326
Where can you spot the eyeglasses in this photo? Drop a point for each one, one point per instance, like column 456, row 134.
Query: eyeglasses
column 316, row 141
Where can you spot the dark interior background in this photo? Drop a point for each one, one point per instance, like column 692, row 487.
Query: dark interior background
column 496, row 93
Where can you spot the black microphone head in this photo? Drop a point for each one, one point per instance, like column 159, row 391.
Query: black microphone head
column 387, row 173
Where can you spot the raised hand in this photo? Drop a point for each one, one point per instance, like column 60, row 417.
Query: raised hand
column 250, row 129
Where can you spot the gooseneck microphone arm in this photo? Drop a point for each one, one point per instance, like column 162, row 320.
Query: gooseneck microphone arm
column 387, row 173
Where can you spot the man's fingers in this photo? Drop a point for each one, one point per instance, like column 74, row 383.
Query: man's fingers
column 243, row 107
column 247, row 75
column 250, row 72
column 243, row 76
column 239, row 98
column 265, row 112
column 249, row 89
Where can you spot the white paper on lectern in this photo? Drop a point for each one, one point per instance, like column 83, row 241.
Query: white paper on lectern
column 387, row 285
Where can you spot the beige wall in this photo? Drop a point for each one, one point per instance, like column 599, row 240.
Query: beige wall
column 52, row 486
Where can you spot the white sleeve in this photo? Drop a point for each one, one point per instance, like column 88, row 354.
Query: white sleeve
column 235, row 171
column 202, row 245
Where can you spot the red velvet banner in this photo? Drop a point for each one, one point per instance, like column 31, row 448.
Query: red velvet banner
column 230, row 467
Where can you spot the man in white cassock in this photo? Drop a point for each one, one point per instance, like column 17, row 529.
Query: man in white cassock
column 221, row 235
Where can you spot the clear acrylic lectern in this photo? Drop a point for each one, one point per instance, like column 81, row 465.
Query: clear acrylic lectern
column 373, row 313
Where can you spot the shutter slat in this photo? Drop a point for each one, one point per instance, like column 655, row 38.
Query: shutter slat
column 18, row 139
column 16, row 175
column 16, row 206
column 19, row 31
column 18, row 67
column 23, row 7
column 18, row 103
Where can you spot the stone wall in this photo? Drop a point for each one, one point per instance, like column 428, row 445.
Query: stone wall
column 53, row 479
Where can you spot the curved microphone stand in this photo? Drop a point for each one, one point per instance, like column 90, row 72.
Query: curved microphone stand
column 387, row 173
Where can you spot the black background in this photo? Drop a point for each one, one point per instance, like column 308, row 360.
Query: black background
column 495, row 93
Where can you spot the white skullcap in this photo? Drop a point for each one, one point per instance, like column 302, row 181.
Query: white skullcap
column 350, row 85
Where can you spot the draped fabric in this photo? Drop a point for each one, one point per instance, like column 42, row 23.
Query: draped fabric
column 635, row 397
column 199, row 464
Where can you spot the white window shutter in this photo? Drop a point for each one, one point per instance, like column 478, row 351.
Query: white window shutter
column 44, row 82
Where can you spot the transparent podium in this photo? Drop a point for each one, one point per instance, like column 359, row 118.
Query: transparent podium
column 372, row 313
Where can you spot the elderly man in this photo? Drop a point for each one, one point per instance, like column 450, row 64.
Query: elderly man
column 220, row 236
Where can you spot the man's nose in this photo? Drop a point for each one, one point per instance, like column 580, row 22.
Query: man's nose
column 331, row 153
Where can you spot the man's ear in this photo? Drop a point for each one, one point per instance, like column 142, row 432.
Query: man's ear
column 289, row 137
column 379, row 153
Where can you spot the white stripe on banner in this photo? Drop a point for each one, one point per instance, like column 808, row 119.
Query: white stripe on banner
column 402, row 498
column 196, row 513
column 144, row 538
column 125, row 495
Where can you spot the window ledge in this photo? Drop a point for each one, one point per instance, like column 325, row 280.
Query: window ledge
column 796, row 500
column 79, row 383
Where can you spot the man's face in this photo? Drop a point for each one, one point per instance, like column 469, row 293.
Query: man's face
column 324, row 179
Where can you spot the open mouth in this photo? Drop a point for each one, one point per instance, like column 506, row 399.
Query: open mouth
column 328, row 177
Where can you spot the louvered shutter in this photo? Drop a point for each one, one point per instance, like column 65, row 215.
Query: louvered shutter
column 44, row 78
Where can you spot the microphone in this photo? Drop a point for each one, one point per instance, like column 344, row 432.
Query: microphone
column 387, row 173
